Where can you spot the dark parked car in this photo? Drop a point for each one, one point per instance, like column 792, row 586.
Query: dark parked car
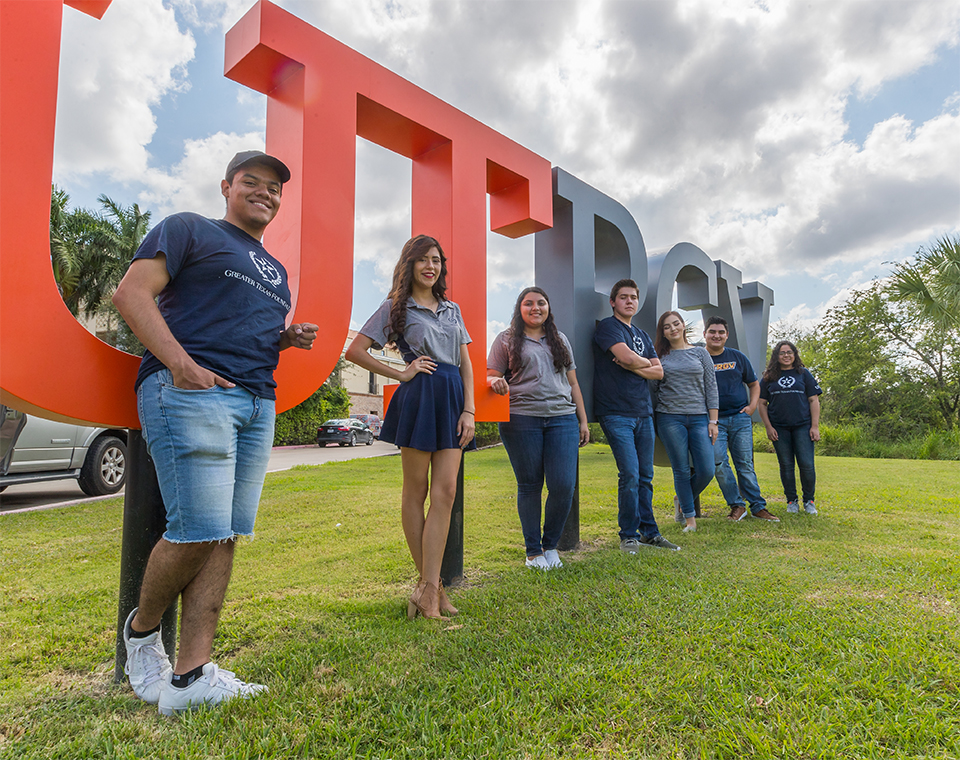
column 372, row 420
column 344, row 433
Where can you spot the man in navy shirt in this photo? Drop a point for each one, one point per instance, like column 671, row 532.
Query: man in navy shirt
column 739, row 393
column 209, row 303
column 623, row 361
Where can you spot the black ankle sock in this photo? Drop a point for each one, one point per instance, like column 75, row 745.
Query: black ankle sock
column 183, row 681
column 135, row 634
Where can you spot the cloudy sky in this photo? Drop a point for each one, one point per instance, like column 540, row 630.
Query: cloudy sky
column 810, row 143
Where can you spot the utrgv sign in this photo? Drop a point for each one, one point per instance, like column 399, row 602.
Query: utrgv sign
column 320, row 96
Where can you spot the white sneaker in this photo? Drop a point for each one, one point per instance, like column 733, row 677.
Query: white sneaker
column 147, row 663
column 552, row 556
column 538, row 563
column 212, row 688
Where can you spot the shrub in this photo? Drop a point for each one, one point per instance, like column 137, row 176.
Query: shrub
column 839, row 440
column 487, row 434
column 299, row 425
column 866, row 440
column 596, row 433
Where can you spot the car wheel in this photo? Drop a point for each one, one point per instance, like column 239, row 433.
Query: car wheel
column 105, row 468
column 353, row 439
column 370, row 441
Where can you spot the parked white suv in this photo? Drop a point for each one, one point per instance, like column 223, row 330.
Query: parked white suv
column 33, row 449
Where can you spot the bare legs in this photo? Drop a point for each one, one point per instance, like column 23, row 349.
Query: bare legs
column 198, row 571
column 427, row 535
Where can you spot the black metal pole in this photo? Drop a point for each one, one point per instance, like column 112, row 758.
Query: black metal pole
column 570, row 538
column 144, row 520
column 451, row 569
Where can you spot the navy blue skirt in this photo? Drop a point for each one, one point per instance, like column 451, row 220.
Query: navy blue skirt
column 424, row 412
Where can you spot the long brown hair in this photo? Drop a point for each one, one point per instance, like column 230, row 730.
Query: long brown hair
column 561, row 356
column 413, row 250
column 660, row 344
column 772, row 373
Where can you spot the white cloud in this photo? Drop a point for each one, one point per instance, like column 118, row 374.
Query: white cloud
column 113, row 73
column 494, row 328
column 193, row 184
column 721, row 122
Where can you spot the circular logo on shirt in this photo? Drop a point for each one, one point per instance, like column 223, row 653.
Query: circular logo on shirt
column 786, row 382
column 268, row 271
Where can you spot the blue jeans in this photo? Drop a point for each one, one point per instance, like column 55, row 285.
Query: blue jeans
column 793, row 445
column 684, row 437
column 631, row 441
column 736, row 435
column 542, row 448
column 210, row 448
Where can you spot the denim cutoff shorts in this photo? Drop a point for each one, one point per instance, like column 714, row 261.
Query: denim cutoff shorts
column 210, row 448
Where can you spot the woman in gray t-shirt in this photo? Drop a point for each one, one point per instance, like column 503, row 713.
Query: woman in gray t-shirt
column 431, row 415
column 533, row 360
column 687, row 411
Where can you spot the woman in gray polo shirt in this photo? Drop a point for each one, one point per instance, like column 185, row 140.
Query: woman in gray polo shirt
column 431, row 415
column 533, row 360
column 687, row 411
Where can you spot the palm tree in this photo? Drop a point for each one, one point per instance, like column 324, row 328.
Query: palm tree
column 90, row 252
column 931, row 282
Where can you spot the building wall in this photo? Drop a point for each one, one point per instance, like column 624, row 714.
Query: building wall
column 364, row 387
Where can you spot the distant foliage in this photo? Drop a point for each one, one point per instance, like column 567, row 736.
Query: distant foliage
column 488, row 433
column 888, row 359
column 90, row 252
column 299, row 425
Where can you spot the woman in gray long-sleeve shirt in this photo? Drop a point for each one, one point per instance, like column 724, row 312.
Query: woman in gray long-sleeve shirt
column 687, row 404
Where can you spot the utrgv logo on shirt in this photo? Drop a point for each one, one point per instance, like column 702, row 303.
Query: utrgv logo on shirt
column 786, row 382
column 638, row 344
column 270, row 274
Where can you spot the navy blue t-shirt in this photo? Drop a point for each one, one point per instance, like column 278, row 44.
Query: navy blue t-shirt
column 226, row 301
column 733, row 370
column 788, row 397
column 617, row 390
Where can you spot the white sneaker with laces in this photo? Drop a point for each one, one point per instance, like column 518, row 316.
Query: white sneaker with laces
column 552, row 556
column 538, row 563
column 212, row 688
column 148, row 666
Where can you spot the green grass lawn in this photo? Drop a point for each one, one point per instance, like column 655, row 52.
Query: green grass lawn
column 819, row 637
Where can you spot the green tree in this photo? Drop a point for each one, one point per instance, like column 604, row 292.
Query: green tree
column 869, row 377
column 931, row 283
column 888, row 365
column 90, row 252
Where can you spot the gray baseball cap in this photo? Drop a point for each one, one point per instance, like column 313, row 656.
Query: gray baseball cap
column 245, row 157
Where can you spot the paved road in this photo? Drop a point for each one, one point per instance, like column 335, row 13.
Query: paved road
column 62, row 493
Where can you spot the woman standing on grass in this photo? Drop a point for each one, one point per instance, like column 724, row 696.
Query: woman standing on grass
column 534, row 361
column 790, row 410
column 431, row 415
column 687, row 411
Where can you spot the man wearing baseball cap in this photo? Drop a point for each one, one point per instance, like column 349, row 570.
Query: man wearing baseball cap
column 209, row 303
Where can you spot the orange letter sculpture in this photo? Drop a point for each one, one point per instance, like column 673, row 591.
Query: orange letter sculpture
column 321, row 95
column 50, row 365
